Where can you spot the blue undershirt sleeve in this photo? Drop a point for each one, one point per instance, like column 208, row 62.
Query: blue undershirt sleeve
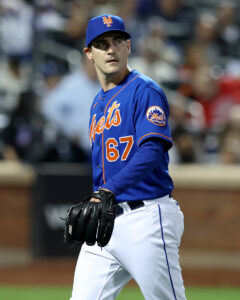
column 148, row 156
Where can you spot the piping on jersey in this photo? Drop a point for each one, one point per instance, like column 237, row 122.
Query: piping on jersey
column 95, row 104
column 104, row 181
column 170, row 139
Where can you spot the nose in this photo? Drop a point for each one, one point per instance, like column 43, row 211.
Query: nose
column 111, row 47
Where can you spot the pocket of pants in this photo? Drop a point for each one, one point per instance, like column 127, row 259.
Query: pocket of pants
column 172, row 222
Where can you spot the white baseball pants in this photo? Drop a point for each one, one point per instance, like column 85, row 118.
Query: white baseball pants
column 144, row 246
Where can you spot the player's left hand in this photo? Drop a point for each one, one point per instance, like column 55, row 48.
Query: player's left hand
column 98, row 200
column 91, row 221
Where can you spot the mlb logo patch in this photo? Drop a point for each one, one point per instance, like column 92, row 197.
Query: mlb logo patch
column 156, row 115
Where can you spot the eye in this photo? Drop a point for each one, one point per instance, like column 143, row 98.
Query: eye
column 101, row 44
column 118, row 41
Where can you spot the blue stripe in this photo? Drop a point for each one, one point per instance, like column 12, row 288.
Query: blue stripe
column 165, row 251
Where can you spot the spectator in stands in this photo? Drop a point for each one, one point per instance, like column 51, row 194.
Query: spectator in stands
column 99, row 7
column 76, row 23
column 230, row 138
column 228, row 31
column 128, row 10
column 177, row 18
column 31, row 138
column 193, row 58
column 68, row 104
column 185, row 136
column 13, row 81
column 52, row 73
column 22, row 138
column 158, row 57
column 16, row 29
column 205, row 36
column 48, row 17
column 216, row 96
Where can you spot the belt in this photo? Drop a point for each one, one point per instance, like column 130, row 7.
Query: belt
column 132, row 205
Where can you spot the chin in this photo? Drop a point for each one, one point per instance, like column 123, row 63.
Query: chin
column 114, row 67
column 113, row 70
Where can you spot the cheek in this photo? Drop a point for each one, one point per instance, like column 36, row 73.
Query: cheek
column 125, row 55
column 97, row 57
column 98, row 61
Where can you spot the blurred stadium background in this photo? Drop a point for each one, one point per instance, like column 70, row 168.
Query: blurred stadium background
column 192, row 49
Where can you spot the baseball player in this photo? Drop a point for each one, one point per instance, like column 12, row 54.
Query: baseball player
column 130, row 139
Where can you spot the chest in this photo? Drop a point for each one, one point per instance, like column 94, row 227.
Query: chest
column 111, row 117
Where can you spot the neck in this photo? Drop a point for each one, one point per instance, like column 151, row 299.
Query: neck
column 109, row 81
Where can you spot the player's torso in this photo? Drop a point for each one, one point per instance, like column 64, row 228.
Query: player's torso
column 112, row 131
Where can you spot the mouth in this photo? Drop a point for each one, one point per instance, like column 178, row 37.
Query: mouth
column 113, row 60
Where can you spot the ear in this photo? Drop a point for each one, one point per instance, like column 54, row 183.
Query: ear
column 88, row 53
column 129, row 46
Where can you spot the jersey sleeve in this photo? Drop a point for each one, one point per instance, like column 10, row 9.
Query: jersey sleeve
column 148, row 156
column 151, row 116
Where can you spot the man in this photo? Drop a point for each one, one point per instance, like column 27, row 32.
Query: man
column 67, row 106
column 130, row 141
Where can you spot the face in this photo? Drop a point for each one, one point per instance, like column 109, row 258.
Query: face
column 109, row 53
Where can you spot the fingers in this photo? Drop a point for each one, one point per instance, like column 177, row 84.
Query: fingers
column 95, row 200
column 87, row 223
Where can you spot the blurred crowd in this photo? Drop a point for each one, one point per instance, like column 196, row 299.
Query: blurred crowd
column 190, row 47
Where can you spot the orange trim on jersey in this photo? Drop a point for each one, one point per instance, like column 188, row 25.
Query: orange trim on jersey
column 95, row 105
column 152, row 134
column 104, row 180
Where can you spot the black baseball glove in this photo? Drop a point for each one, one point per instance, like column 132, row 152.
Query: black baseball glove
column 91, row 222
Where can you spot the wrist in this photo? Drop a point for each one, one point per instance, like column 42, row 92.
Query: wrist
column 105, row 189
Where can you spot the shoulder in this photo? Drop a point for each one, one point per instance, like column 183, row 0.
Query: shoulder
column 146, row 88
column 148, row 93
column 147, row 84
column 95, row 100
